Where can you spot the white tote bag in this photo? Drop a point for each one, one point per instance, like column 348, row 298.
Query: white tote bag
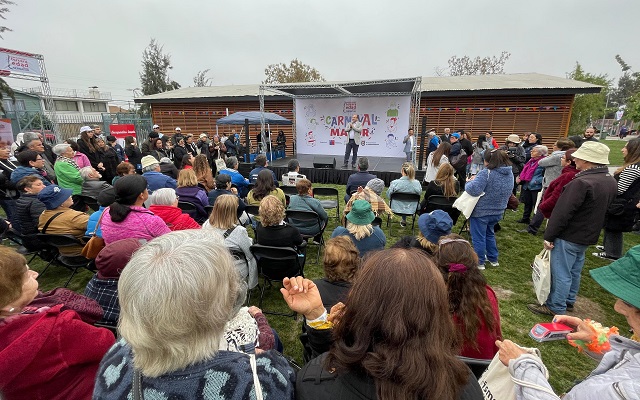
column 541, row 275
column 466, row 203
column 498, row 384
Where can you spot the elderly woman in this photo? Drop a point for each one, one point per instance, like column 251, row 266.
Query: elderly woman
column 224, row 220
column 304, row 201
column 124, row 168
column 341, row 261
column 176, row 295
column 616, row 375
column 531, row 178
column 126, row 217
column 80, row 159
column 188, row 190
column 92, row 185
column 471, row 300
column 164, row 204
column 365, row 236
column 273, row 230
column 60, row 219
column 393, row 338
column 203, row 172
column 41, row 354
column 237, row 179
column 406, row 184
column 67, row 170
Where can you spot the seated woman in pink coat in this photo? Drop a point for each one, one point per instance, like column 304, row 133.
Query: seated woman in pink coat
column 126, row 217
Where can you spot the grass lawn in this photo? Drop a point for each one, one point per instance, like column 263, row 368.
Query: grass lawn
column 511, row 281
column 615, row 156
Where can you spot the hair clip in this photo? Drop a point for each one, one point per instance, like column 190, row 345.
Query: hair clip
column 455, row 267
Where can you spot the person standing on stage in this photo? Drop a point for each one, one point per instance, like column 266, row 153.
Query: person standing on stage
column 353, row 130
column 409, row 144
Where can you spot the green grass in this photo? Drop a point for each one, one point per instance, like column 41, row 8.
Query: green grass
column 511, row 280
column 615, row 155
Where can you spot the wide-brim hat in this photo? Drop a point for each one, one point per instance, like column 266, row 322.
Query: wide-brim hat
column 148, row 160
column 513, row 138
column 621, row 278
column 361, row 213
column 434, row 225
column 53, row 196
column 593, row 152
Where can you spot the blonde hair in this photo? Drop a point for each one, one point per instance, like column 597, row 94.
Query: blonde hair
column 271, row 211
column 409, row 170
column 187, row 178
column 201, row 166
column 341, row 259
column 359, row 231
column 444, row 178
column 225, row 212
column 176, row 295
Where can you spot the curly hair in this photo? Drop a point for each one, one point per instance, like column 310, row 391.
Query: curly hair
column 467, row 291
column 201, row 166
column 396, row 328
column 341, row 259
column 271, row 211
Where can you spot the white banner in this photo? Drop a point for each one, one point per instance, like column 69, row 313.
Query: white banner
column 320, row 125
column 19, row 63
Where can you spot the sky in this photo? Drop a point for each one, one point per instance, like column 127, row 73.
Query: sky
column 100, row 43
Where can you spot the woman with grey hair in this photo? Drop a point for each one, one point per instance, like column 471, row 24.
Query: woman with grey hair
column 177, row 294
column 68, row 173
column 164, row 204
column 531, row 178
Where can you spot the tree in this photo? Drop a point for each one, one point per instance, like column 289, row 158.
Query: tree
column 475, row 66
column 4, row 86
column 154, row 77
column 587, row 107
column 633, row 108
column 296, row 71
column 628, row 84
column 201, row 79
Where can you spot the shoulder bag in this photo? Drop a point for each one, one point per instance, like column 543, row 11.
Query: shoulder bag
column 95, row 244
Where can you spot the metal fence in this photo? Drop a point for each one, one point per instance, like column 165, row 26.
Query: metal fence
column 142, row 125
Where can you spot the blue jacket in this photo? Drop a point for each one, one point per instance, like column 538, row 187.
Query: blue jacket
column 536, row 182
column 433, row 143
column 404, row 185
column 253, row 175
column 376, row 241
column 22, row 172
column 307, row 203
column 496, row 185
column 93, row 220
column 360, row 178
column 237, row 179
column 158, row 180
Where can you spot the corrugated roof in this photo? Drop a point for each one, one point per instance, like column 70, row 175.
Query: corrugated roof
column 440, row 84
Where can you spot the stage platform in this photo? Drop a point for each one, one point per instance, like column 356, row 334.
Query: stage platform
column 385, row 168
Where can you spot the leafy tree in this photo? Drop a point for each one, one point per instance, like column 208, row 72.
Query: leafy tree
column 201, row 79
column 587, row 107
column 628, row 84
column 296, row 71
column 4, row 86
column 633, row 108
column 154, row 77
column 475, row 66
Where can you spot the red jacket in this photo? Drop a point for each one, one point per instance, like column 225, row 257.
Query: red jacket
column 552, row 193
column 50, row 355
column 174, row 218
column 485, row 339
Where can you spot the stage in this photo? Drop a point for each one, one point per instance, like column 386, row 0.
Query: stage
column 385, row 168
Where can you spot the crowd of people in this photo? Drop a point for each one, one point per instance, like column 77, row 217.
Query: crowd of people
column 177, row 266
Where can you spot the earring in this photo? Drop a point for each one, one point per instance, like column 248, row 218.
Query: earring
column 12, row 309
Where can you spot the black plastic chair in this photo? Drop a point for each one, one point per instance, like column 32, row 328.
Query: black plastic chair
column 274, row 264
column 18, row 239
column 290, row 190
column 407, row 197
column 294, row 218
column 208, row 209
column 477, row 365
column 73, row 263
column 328, row 204
column 252, row 212
column 437, row 202
column 186, row 206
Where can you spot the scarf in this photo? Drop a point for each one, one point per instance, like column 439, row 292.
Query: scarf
column 529, row 169
column 70, row 161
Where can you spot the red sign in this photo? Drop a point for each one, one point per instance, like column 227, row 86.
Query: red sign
column 120, row 131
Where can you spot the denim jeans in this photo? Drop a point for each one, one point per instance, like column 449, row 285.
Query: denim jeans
column 351, row 145
column 484, row 238
column 567, row 260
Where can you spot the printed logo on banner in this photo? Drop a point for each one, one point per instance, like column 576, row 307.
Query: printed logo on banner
column 17, row 63
column 349, row 107
column 332, row 142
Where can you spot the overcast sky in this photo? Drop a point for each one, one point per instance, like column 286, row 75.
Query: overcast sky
column 100, row 43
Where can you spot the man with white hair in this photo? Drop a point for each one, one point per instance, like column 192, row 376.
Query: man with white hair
column 92, row 185
column 155, row 178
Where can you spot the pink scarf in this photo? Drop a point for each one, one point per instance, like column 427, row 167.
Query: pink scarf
column 529, row 169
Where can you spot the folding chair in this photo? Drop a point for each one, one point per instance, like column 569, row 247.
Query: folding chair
column 187, row 207
column 274, row 264
column 73, row 263
column 252, row 212
column 477, row 365
column 17, row 238
column 328, row 204
column 407, row 197
column 294, row 218
column 437, row 202
column 208, row 209
column 290, row 190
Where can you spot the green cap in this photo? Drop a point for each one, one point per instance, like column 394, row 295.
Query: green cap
column 621, row 278
column 361, row 213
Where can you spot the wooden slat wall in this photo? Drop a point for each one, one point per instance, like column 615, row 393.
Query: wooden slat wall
column 441, row 112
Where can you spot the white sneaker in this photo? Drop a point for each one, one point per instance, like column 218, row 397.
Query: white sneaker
column 494, row 264
column 481, row 267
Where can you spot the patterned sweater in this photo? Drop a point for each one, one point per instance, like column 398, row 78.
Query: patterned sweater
column 226, row 375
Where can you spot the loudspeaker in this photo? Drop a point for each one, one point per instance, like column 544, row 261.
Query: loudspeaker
column 324, row 162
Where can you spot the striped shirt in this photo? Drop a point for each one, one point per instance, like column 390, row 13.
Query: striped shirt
column 626, row 178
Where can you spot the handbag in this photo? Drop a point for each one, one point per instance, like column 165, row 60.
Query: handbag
column 459, row 161
column 497, row 383
column 512, row 203
column 95, row 244
column 541, row 275
column 466, row 203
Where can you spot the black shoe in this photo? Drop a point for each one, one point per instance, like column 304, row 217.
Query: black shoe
column 523, row 221
column 525, row 231
column 604, row 256
column 569, row 307
column 540, row 309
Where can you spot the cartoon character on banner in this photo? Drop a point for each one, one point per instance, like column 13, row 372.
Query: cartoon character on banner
column 391, row 141
column 311, row 139
column 310, row 111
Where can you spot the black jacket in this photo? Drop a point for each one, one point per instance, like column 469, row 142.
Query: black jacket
column 95, row 157
column 29, row 208
column 579, row 213
column 134, row 155
column 178, row 153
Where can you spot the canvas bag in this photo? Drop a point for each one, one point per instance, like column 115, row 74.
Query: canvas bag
column 497, row 383
column 541, row 275
column 466, row 203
